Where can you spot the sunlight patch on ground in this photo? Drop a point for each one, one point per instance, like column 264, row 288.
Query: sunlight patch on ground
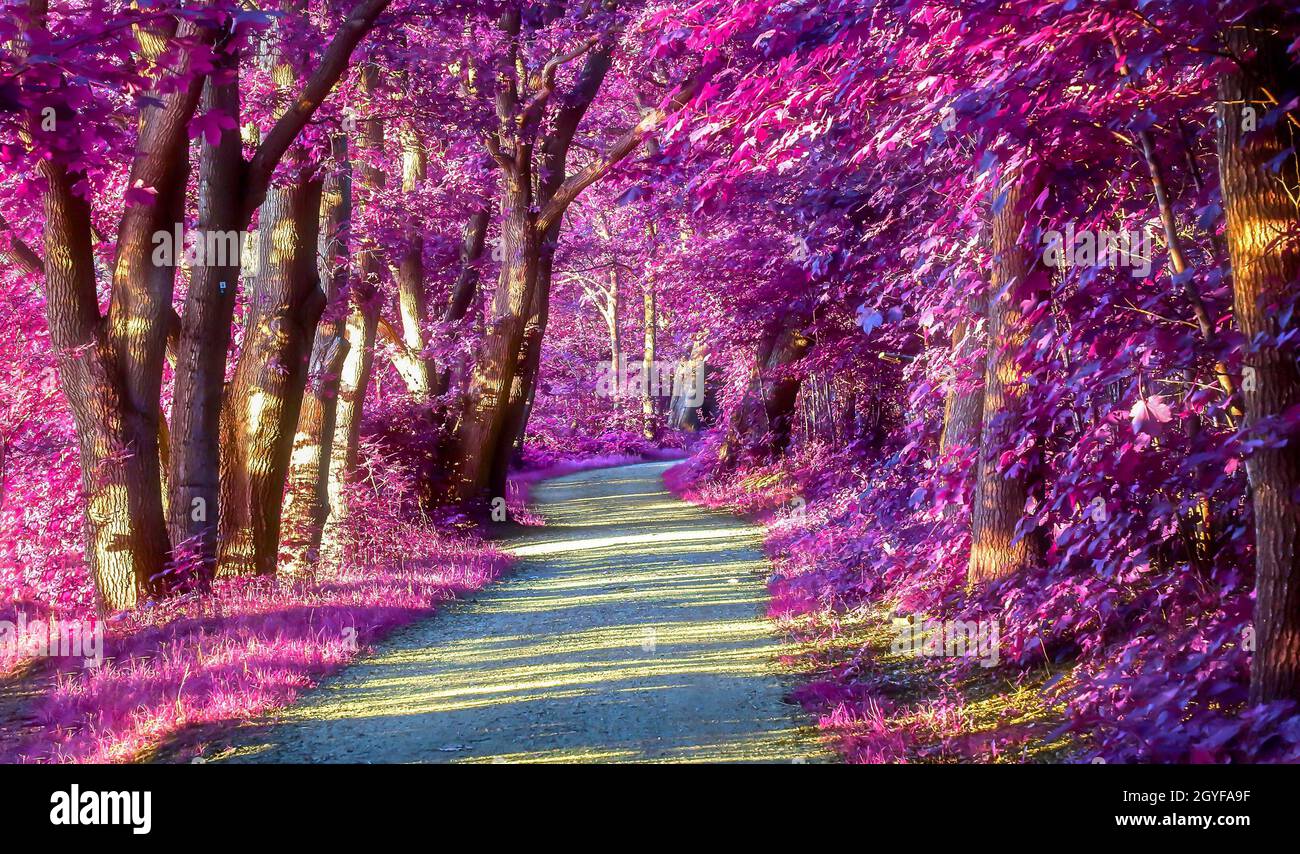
column 633, row 630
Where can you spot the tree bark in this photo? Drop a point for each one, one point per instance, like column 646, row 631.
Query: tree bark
column 487, row 405
column 362, row 323
column 265, row 396
column 194, row 472
column 411, row 300
column 612, row 308
column 124, row 551
column 649, row 370
column 1266, row 273
column 473, row 239
column 111, row 367
column 999, row 503
column 963, row 410
column 230, row 192
column 306, row 504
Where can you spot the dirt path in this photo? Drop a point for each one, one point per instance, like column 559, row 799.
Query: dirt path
column 632, row 631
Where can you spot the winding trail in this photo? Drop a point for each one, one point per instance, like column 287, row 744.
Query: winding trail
column 631, row 631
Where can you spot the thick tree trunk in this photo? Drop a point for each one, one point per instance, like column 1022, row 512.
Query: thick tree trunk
column 999, row 503
column 265, row 396
column 230, row 192
column 124, row 551
column 140, row 312
column 194, row 473
column 528, row 365
column 783, row 388
column 487, row 405
column 306, row 503
column 1266, row 273
column 111, row 368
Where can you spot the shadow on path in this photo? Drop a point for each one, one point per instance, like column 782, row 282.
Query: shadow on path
column 632, row 630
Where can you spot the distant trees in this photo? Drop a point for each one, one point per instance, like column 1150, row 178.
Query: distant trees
column 531, row 144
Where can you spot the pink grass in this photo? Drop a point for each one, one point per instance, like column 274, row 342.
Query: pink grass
column 250, row 648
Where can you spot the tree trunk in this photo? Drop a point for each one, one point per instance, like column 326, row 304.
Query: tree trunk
column 1266, row 273
column 362, row 322
column 999, row 503
column 783, row 387
column 354, row 382
column 649, row 370
column 410, row 279
column 306, row 503
column 963, row 410
column 124, row 551
column 265, row 396
column 615, row 336
column 487, row 404
column 111, row 368
column 473, row 238
column 195, row 472
column 528, row 365
column 230, row 192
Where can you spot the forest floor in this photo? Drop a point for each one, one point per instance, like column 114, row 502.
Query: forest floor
column 632, row 630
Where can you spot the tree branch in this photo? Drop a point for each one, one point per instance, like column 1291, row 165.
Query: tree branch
column 626, row 144
column 546, row 85
column 335, row 61
column 20, row 253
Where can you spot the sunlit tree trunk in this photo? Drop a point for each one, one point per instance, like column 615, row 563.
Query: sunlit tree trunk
column 140, row 313
column 111, row 367
column 999, row 502
column 527, row 366
column 488, row 401
column 123, row 550
column 615, row 335
column 1262, row 219
column 306, row 502
column 362, row 323
column 231, row 190
column 265, row 395
column 649, row 370
column 410, row 279
column 682, row 415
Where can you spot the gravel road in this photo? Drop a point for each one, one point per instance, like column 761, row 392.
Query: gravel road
column 631, row 631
